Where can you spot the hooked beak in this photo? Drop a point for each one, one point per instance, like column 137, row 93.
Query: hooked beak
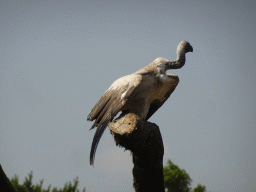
column 190, row 49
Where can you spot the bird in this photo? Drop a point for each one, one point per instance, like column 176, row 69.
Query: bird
column 141, row 93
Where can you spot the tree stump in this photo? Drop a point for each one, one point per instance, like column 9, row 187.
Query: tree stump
column 144, row 140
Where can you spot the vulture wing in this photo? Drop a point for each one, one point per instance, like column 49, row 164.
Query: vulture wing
column 109, row 105
column 164, row 93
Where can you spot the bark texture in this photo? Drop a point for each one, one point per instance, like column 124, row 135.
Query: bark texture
column 144, row 140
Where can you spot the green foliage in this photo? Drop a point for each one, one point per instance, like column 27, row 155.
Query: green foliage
column 199, row 188
column 15, row 184
column 176, row 179
column 27, row 185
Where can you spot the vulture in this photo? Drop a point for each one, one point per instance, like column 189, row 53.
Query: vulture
column 141, row 93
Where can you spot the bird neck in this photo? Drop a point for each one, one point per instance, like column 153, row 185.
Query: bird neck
column 181, row 57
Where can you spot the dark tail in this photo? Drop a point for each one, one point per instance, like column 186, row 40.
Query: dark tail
column 100, row 129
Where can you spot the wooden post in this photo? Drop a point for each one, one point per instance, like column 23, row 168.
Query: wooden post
column 144, row 140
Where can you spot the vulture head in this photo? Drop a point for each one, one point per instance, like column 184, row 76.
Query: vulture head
column 184, row 47
column 163, row 64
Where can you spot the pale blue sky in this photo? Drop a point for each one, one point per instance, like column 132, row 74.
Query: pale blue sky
column 57, row 58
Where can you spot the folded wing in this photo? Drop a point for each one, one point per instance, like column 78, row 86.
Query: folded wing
column 109, row 105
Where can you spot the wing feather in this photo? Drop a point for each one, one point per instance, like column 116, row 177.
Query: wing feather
column 107, row 108
column 100, row 105
column 164, row 93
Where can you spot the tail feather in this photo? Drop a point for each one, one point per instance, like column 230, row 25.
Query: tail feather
column 99, row 132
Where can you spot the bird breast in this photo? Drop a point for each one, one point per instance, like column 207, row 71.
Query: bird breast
column 161, row 74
